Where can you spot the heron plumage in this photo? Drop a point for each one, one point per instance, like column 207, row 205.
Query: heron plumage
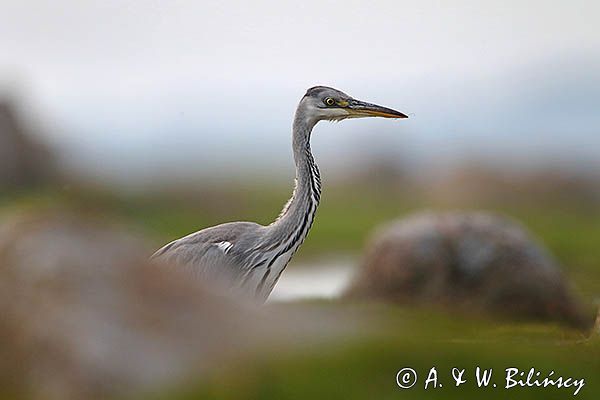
column 249, row 258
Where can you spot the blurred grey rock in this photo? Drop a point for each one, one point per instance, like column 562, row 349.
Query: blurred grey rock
column 23, row 160
column 471, row 261
column 83, row 316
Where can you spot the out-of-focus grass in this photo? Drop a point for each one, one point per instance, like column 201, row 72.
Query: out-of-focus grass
column 365, row 367
column 345, row 218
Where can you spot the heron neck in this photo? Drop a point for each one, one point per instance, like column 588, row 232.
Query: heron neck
column 296, row 217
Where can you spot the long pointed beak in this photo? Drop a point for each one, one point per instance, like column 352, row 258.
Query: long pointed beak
column 359, row 108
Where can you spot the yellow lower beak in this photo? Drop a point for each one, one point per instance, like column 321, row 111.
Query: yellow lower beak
column 363, row 109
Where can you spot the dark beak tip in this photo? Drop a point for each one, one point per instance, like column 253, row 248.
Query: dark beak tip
column 398, row 115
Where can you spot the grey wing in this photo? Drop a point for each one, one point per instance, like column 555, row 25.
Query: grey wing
column 221, row 252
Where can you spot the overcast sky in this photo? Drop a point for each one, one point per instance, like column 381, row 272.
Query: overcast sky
column 196, row 83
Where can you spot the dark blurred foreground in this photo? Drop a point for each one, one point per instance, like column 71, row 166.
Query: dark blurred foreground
column 84, row 316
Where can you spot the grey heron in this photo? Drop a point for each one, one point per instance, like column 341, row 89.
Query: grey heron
column 249, row 258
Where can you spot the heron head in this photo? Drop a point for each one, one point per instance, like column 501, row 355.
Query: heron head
column 325, row 103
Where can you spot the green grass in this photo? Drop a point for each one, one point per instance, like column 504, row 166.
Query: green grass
column 365, row 367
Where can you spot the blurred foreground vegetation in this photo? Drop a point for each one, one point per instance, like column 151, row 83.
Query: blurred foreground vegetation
column 365, row 367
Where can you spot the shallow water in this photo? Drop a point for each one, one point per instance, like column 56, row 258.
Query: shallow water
column 322, row 279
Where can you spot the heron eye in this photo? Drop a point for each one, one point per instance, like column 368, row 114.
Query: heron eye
column 329, row 101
